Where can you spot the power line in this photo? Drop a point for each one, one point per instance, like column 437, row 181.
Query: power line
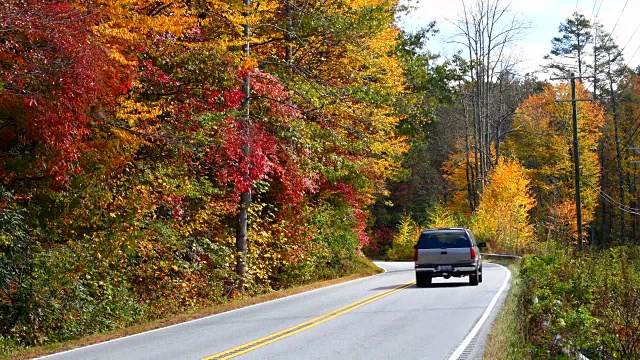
column 594, row 17
column 631, row 38
column 599, row 7
column 618, row 204
column 619, row 16
column 634, row 54
column 594, row 6
column 615, row 26
column 633, row 134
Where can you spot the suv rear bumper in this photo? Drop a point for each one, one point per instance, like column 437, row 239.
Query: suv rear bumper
column 440, row 270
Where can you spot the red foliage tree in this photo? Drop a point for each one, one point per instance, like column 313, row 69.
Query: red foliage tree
column 55, row 81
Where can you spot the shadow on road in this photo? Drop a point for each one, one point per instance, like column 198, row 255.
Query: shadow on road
column 433, row 285
column 444, row 285
column 390, row 287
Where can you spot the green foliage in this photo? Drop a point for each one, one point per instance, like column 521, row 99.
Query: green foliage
column 428, row 79
column 415, row 192
column 506, row 339
column 582, row 301
column 441, row 216
column 334, row 231
column 16, row 251
column 576, row 36
column 404, row 240
column 96, row 299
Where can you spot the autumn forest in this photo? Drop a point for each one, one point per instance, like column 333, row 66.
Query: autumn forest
column 162, row 156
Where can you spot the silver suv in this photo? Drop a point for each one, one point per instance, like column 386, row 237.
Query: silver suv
column 447, row 252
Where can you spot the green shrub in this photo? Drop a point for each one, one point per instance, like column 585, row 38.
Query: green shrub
column 334, row 226
column 582, row 301
column 16, row 251
column 73, row 297
column 404, row 240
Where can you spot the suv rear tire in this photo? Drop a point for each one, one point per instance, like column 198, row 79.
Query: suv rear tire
column 423, row 280
column 473, row 279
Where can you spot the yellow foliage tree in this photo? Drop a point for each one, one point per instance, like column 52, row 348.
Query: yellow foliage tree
column 404, row 240
column 503, row 214
column 441, row 216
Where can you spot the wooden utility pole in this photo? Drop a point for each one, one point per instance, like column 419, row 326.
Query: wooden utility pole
column 576, row 158
column 576, row 153
column 245, row 196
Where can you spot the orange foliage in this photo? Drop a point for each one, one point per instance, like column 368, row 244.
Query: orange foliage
column 542, row 142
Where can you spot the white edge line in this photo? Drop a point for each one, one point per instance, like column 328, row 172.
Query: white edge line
column 384, row 270
column 456, row 354
column 206, row 317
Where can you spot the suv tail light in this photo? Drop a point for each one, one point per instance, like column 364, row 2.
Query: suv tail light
column 473, row 253
column 415, row 255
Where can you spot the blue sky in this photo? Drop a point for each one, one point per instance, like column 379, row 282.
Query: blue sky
column 544, row 16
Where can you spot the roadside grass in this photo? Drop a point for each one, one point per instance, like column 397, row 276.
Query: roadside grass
column 505, row 342
column 364, row 268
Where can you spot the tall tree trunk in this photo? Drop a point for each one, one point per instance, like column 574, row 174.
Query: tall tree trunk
column 287, row 35
column 471, row 193
column 501, row 110
column 579, row 61
column 489, row 22
column 618, row 150
column 635, row 206
column 245, row 196
column 595, row 65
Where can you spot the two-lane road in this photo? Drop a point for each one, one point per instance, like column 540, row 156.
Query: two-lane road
column 379, row 317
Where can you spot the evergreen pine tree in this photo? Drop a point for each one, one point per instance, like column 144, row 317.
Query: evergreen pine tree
column 569, row 51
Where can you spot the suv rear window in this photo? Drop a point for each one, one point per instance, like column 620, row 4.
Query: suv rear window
column 443, row 240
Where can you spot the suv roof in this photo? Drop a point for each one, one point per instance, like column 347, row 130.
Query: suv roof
column 445, row 228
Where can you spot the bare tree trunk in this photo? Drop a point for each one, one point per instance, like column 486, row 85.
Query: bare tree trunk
column 498, row 123
column 472, row 45
column 488, row 80
column 486, row 34
column 579, row 60
column 595, row 65
column 471, row 192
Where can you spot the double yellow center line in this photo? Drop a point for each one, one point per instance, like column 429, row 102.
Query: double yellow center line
column 258, row 343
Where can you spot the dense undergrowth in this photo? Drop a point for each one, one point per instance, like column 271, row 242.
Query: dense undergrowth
column 63, row 280
column 583, row 301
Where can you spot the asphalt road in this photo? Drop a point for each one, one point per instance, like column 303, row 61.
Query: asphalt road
column 379, row 317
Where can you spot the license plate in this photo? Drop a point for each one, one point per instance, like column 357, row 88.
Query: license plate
column 445, row 268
